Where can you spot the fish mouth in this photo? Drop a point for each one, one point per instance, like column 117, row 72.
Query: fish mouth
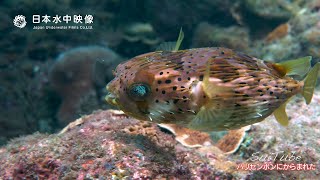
column 111, row 99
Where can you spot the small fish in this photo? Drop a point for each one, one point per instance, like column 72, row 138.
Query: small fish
column 208, row 89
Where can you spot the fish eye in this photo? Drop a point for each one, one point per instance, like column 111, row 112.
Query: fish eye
column 139, row 91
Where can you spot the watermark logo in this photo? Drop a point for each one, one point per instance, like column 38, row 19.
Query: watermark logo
column 20, row 21
column 265, row 162
column 45, row 21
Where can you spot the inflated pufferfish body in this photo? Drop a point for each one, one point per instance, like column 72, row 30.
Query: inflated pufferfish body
column 208, row 89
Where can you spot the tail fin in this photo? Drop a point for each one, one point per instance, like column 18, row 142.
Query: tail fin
column 310, row 83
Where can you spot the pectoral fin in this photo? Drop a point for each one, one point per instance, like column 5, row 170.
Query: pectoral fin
column 209, row 118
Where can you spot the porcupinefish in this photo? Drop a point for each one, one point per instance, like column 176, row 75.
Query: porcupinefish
column 208, row 89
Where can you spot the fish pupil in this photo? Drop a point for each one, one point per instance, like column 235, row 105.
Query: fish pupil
column 139, row 91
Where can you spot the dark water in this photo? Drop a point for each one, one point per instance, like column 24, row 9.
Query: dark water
column 57, row 56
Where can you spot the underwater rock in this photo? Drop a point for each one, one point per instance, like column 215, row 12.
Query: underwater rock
column 108, row 144
column 299, row 138
column 233, row 37
column 274, row 9
column 78, row 75
column 170, row 15
column 298, row 37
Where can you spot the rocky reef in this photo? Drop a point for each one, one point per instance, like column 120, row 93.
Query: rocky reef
column 110, row 145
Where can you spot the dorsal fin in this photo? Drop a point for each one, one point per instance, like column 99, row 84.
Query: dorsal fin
column 179, row 40
column 298, row 66
column 171, row 46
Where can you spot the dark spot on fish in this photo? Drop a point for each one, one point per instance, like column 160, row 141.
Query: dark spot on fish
column 185, row 101
column 237, row 92
column 187, row 72
column 182, row 87
column 184, row 97
column 201, row 77
column 167, row 72
column 171, row 113
column 246, row 95
column 259, row 90
column 179, row 79
column 237, row 105
column 180, row 110
column 157, row 100
column 189, row 62
column 174, row 88
column 242, row 83
column 168, row 81
column 125, row 76
column 131, row 74
column 271, row 92
column 188, row 78
column 167, row 102
column 277, row 97
column 163, row 92
column 159, row 82
column 204, row 96
column 261, row 94
column 157, row 89
column 276, row 86
column 175, row 101
column 222, row 52
column 161, row 73
column 264, row 100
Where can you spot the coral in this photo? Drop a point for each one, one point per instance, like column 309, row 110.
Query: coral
column 233, row 37
column 141, row 32
column 138, row 38
column 278, row 33
column 188, row 137
column 75, row 76
column 230, row 142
